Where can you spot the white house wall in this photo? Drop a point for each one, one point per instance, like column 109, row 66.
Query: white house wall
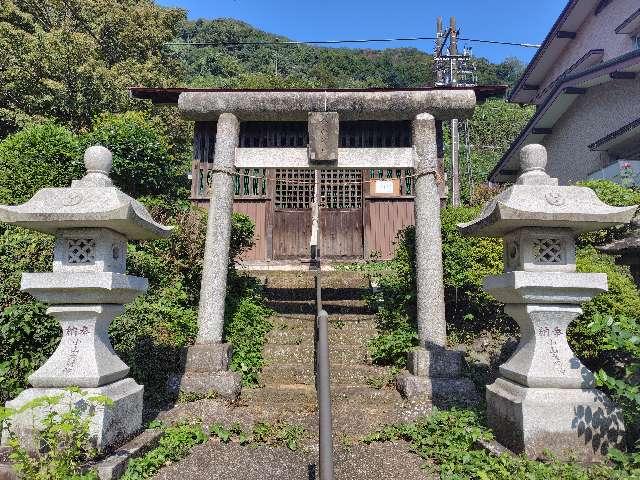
column 597, row 32
column 600, row 111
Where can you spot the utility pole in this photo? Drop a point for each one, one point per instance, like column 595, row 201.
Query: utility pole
column 455, row 137
column 453, row 69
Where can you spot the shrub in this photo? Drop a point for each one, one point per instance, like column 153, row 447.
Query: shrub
column 612, row 194
column 621, row 334
column 156, row 326
column 447, row 440
column 64, row 441
column 27, row 334
column 142, row 159
column 396, row 306
column 466, row 261
column 622, row 298
column 40, row 155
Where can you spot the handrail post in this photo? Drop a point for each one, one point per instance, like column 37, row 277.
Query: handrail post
column 321, row 344
column 324, row 398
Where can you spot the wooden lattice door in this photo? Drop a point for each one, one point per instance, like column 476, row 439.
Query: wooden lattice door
column 340, row 217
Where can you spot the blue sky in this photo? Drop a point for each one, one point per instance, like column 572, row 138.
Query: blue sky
column 507, row 20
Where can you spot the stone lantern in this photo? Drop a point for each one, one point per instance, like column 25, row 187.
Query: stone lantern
column 92, row 221
column 545, row 398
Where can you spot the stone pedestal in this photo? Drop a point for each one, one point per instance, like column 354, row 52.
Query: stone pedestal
column 84, row 357
column 206, row 371
column 545, row 397
column 110, row 424
column 563, row 421
column 436, row 374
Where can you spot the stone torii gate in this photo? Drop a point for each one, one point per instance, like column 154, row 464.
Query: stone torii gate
column 434, row 370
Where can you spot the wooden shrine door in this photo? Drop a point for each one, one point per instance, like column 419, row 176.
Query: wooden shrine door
column 341, row 226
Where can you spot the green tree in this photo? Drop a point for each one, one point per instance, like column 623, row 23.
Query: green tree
column 41, row 155
column 72, row 59
column 495, row 124
column 143, row 163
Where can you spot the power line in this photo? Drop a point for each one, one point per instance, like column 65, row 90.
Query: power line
column 333, row 42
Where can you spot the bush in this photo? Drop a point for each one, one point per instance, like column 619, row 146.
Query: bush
column 622, row 298
column 466, row 261
column 156, row 326
column 246, row 326
column 27, row 334
column 64, row 443
column 41, row 155
column 612, row 194
column 396, row 306
column 142, row 160
column 448, row 441
column 621, row 334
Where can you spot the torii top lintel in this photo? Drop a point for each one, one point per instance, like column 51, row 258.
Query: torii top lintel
column 295, row 105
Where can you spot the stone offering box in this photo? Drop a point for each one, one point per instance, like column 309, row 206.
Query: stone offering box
column 545, row 398
column 92, row 222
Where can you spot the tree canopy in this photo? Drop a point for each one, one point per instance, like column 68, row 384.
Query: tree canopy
column 73, row 59
column 306, row 65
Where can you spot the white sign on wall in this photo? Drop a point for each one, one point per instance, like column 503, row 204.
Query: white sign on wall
column 384, row 186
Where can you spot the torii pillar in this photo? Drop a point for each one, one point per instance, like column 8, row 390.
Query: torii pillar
column 433, row 370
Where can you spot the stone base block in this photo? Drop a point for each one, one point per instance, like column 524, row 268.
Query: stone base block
column 208, row 358
column 440, row 391
column 114, row 466
column 567, row 422
column 226, row 384
column 110, row 424
column 438, row 363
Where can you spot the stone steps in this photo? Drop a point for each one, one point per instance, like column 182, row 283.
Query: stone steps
column 301, row 373
column 308, row 307
column 301, row 280
column 345, row 354
column 304, row 393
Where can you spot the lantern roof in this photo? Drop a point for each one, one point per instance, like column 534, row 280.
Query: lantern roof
column 92, row 202
column 536, row 200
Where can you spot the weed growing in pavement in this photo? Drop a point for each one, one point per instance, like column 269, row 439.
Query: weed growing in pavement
column 447, row 439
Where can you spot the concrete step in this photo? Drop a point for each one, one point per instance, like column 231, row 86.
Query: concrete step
column 308, row 307
column 330, row 280
column 338, row 337
column 278, row 373
column 309, row 294
column 302, row 393
column 353, row 354
column 305, row 319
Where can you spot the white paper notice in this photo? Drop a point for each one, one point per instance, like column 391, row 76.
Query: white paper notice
column 384, row 186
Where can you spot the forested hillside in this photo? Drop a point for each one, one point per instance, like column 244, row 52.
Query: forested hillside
column 309, row 66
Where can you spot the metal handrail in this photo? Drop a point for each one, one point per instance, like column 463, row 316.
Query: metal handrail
column 321, row 351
